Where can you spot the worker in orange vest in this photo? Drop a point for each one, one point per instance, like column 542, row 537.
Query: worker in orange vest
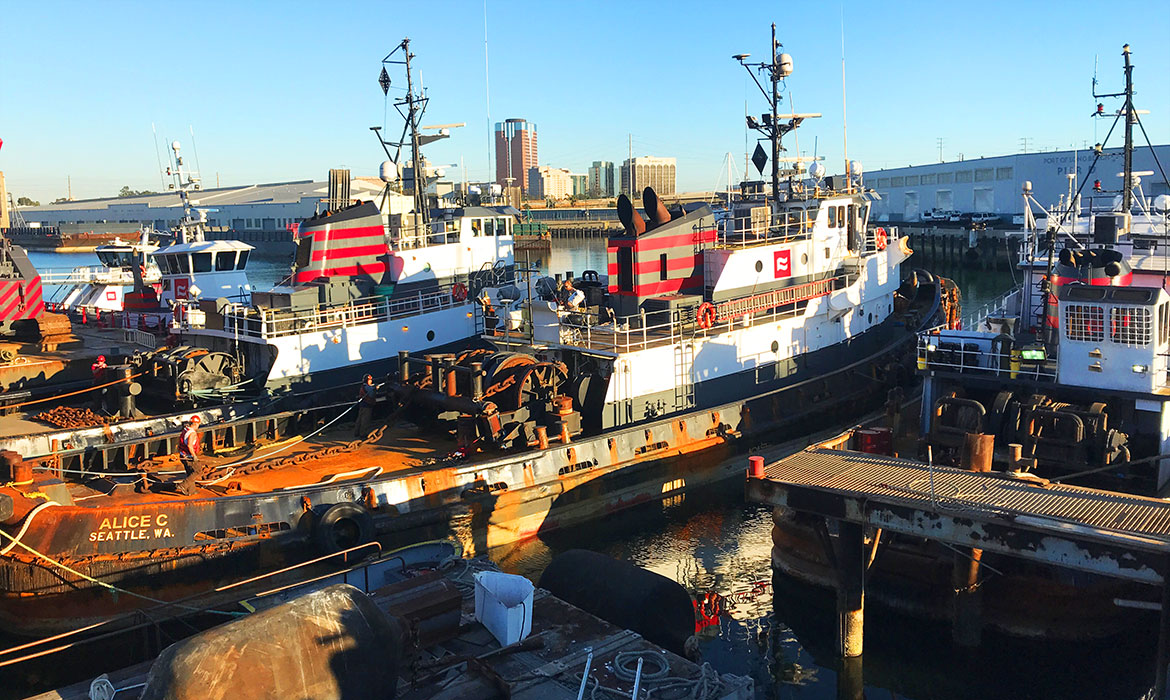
column 98, row 368
column 189, row 455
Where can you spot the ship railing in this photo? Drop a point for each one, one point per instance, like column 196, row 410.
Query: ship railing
column 1006, row 305
column 982, row 353
column 878, row 238
column 595, row 330
column 758, row 228
column 246, row 320
column 440, row 232
column 86, row 275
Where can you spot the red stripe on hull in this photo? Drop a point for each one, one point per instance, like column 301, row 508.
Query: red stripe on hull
column 362, row 251
column 657, row 243
column 373, row 269
column 341, row 234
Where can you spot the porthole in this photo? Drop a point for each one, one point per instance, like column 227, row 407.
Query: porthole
column 775, row 346
column 804, row 258
column 430, row 335
column 871, row 317
column 759, row 266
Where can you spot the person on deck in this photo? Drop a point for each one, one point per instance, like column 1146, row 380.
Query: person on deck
column 574, row 298
column 366, row 402
column 189, row 455
column 99, row 369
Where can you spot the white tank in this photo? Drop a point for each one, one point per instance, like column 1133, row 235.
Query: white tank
column 785, row 62
column 388, row 171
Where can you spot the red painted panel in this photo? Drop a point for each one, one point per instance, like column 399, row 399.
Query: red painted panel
column 371, row 269
column 654, row 266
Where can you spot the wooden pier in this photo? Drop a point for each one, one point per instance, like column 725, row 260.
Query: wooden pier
column 975, row 248
column 1101, row 532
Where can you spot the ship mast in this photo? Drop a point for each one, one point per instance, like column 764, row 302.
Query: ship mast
column 415, row 106
column 1127, row 176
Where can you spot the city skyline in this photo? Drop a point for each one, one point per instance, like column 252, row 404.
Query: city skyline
column 262, row 111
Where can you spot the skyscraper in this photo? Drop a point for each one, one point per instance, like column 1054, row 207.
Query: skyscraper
column 648, row 171
column 515, row 151
column 601, row 182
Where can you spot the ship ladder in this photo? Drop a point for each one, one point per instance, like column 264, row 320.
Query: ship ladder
column 684, row 382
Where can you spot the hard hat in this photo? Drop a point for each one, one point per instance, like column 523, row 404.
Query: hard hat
column 195, row 419
column 101, row 358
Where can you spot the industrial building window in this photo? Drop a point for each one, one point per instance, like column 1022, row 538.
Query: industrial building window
column 1129, row 325
column 984, row 174
column 1003, row 173
column 897, row 182
column 929, row 179
column 962, row 176
column 662, row 266
column 883, row 182
column 1084, row 322
column 946, row 178
column 911, row 180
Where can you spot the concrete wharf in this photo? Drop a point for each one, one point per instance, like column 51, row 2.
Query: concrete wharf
column 1101, row 532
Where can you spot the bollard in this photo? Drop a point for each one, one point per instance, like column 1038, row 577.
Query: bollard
column 542, row 437
column 476, row 381
column 403, row 366
column 756, row 467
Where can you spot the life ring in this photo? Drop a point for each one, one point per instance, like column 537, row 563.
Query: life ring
column 343, row 526
column 880, row 238
column 458, row 291
column 706, row 315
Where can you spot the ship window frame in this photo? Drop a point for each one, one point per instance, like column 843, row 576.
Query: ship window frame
column 183, row 261
column 242, row 260
column 662, row 274
column 1130, row 326
column 1164, row 323
column 201, row 262
column 832, row 217
column 225, row 257
column 1084, row 322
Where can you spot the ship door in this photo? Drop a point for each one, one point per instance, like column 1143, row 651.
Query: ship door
column 684, row 381
column 625, row 263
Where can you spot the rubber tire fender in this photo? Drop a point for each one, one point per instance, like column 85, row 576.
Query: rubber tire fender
column 324, row 528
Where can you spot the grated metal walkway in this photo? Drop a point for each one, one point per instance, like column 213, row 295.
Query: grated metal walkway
column 908, row 482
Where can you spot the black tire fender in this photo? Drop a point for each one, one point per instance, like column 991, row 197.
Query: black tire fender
column 342, row 526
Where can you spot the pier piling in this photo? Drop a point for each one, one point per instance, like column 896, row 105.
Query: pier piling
column 850, row 563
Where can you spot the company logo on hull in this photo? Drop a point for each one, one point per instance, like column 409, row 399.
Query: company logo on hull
column 783, row 263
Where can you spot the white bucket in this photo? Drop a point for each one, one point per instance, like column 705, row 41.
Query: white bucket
column 503, row 603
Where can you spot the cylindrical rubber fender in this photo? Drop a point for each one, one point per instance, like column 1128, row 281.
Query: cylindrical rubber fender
column 343, row 525
column 652, row 605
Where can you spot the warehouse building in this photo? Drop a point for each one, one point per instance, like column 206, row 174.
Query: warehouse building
column 253, row 213
column 994, row 185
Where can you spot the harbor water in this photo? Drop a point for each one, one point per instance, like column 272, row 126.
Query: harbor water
column 777, row 631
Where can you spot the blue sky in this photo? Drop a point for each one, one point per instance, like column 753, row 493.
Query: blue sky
column 284, row 91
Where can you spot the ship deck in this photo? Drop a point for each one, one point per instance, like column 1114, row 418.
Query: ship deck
column 400, row 449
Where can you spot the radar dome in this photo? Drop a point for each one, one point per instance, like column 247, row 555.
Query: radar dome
column 816, row 170
column 785, row 62
column 855, row 168
column 175, row 146
column 388, row 171
column 1162, row 203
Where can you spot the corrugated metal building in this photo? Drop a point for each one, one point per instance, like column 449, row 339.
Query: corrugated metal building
column 995, row 184
column 253, row 213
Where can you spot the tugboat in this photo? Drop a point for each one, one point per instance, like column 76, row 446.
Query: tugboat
column 702, row 342
column 103, row 288
column 1065, row 381
column 369, row 279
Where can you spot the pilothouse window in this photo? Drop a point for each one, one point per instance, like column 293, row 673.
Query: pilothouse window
column 1129, row 325
column 184, row 263
column 201, row 262
column 1084, row 322
column 225, row 260
column 243, row 259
